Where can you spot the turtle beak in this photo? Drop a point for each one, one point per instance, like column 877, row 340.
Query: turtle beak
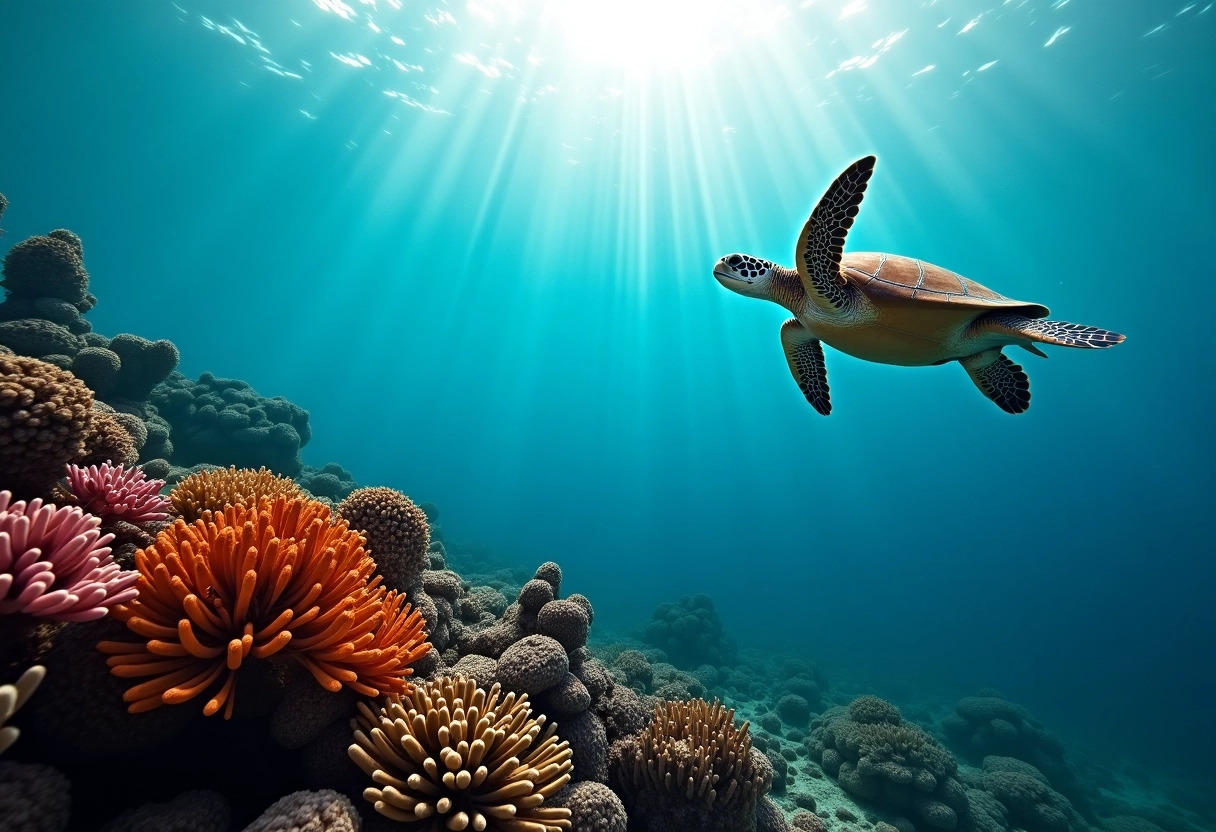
column 724, row 272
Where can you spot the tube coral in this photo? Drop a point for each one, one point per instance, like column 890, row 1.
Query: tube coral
column 453, row 755
column 278, row 579
column 12, row 697
column 56, row 563
column 113, row 493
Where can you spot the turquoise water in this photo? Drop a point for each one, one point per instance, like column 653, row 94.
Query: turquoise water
column 476, row 244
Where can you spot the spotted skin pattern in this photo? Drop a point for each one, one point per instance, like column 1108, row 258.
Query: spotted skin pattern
column 1002, row 380
column 1060, row 333
column 821, row 243
column 750, row 267
column 804, row 354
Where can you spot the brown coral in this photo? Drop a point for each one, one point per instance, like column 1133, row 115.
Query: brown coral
column 691, row 768
column 44, row 415
column 280, row 579
column 453, row 755
column 216, row 490
column 106, row 440
column 397, row 532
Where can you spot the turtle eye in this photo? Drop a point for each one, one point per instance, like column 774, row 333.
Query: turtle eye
column 734, row 260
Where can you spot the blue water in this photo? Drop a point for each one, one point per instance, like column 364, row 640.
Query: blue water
column 481, row 259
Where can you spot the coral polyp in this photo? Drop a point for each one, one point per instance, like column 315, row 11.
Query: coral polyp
column 278, row 580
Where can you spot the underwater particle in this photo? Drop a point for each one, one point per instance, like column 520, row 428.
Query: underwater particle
column 55, row 563
column 41, row 267
column 325, row 810
column 396, row 530
column 113, row 493
column 690, row 768
column 254, row 582
column 44, row 413
column 12, row 697
column 468, row 757
column 217, row 489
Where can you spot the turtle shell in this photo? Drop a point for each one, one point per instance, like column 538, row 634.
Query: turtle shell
column 891, row 280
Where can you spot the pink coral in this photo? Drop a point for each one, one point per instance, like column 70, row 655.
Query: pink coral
column 55, row 563
column 113, row 493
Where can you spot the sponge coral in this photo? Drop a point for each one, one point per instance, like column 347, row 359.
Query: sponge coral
column 217, row 489
column 45, row 267
column 256, row 582
column 453, row 755
column 55, row 563
column 691, row 768
column 396, row 530
column 113, row 493
column 106, row 440
column 44, row 413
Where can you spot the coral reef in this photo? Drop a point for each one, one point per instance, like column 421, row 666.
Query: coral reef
column 309, row 811
column 691, row 768
column 278, row 578
column 990, row 725
column 690, row 633
column 895, row 765
column 55, row 563
column 112, row 493
column 225, row 422
column 44, row 413
column 397, row 533
column 593, row 807
column 466, row 756
column 218, row 488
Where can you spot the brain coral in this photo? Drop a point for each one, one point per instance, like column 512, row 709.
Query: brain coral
column 396, row 531
column 691, row 768
column 45, row 267
column 106, row 440
column 215, row 490
column 690, row 633
column 253, row 582
column 44, row 413
column 225, row 422
column 898, row 766
column 453, row 755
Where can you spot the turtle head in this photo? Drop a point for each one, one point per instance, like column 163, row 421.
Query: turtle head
column 745, row 274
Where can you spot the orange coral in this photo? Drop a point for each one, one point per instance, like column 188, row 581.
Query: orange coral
column 280, row 579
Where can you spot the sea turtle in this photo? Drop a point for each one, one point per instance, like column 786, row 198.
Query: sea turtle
column 892, row 309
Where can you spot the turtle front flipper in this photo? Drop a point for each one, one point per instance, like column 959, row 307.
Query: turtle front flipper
column 1000, row 379
column 804, row 354
column 821, row 243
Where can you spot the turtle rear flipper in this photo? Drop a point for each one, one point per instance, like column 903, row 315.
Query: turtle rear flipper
column 1060, row 333
column 1000, row 379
